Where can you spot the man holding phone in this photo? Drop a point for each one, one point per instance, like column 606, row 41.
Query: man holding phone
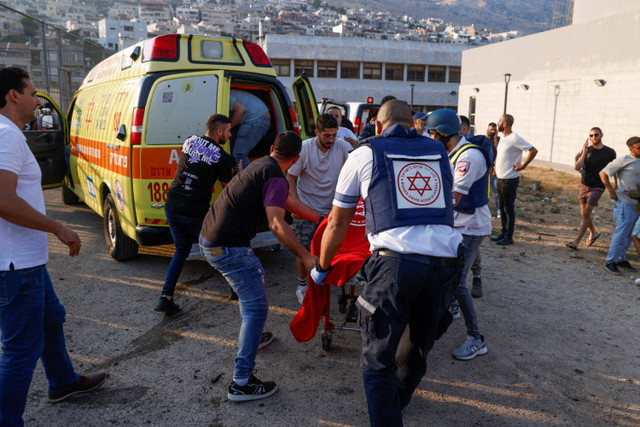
column 593, row 157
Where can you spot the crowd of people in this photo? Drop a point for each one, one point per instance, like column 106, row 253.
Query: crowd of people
column 425, row 182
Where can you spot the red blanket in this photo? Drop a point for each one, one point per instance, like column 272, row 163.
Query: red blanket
column 350, row 257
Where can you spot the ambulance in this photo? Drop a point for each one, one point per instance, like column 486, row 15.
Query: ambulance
column 127, row 122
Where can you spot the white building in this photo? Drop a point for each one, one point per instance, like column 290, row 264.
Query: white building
column 563, row 81
column 353, row 69
column 116, row 35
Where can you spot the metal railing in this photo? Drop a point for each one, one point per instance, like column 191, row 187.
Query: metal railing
column 56, row 60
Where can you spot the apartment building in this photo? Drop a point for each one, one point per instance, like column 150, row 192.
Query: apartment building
column 353, row 69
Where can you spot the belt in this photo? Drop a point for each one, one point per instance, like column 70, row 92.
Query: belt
column 422, row 259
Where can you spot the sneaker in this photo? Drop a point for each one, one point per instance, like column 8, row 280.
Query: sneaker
column 611, row 268
column 254, row 390
column 626, row 265
column 167, row 306
column 267, row 338
column 505, row 241
column 497, row 237
column 300, row 292
column 476, row 287
column 85, row 384
column 471, row 348
column 454, row 309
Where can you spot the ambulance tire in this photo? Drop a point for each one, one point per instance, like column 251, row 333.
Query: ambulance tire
column 68, row 196
column 120, row 246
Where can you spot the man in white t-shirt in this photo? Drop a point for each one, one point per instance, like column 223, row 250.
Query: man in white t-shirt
column 343, row 132
column 316, row 173
column 31, row 316
column 508, row 167
column 471, row 215
column 409, row 222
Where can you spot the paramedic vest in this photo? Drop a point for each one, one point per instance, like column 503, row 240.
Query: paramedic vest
column 478, row 195
column 411, row 182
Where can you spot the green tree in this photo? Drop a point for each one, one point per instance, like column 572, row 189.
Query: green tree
column 30, row 28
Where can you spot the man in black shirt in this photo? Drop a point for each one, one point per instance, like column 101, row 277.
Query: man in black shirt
column 202, row 162
column 590, row 161
column 258, row 192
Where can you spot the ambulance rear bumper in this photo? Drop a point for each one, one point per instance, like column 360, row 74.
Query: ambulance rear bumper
column 153, row 236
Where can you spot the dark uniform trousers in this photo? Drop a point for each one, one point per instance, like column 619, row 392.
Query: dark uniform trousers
column 402, row 311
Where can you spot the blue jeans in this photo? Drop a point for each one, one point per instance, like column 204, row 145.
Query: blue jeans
column 31, row 319
column 507, row 189
column 461, row 293
column 492, row 181
column 625, row 218
column 249, row 134
column 243, row 271
column 400, row 312
column 185, row 231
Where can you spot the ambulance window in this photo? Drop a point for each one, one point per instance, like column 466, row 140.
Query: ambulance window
column 179, row 108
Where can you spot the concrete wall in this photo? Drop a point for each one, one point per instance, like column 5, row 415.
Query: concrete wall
column 365, row 50
column 562, row 101
column 589, row 10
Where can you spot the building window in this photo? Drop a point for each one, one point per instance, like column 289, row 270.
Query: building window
column 350, row 70
column 372, row 71
column 472, row 114
column 328, row 69
column 282, row 67
column 454, row 74
column 394, row 72
column 437, row 73
column 415, row 73
column 128, row 28
column 303, row 66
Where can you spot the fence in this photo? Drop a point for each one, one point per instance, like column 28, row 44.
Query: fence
column 56, row 60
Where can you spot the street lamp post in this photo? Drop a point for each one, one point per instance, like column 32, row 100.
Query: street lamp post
column 412, row 87
column 507, row 78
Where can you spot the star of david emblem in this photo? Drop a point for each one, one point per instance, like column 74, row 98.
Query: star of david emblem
column 418, row 177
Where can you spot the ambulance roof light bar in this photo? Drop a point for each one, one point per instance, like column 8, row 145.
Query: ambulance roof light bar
column 161, row 48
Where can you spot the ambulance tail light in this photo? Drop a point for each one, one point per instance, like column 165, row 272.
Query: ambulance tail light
column 294, row 119
column 162, row 48
column 257, row 55
column 356, row 124
column 136, row 126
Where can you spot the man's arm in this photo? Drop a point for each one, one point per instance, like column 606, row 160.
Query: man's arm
column 282, row 231
column 581, row 156
column 295, row 205
column 334, row 234
column 607, row 184
column 237, row 112
column 15, row 210
column 532, row 155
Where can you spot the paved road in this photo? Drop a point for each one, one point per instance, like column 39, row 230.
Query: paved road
column 176, row 371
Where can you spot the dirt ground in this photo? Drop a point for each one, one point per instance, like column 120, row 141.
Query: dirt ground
column 559, row 329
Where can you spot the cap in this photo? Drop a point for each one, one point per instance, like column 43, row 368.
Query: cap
column 419, row 115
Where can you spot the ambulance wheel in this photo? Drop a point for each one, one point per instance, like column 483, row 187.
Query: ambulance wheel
column 68, row 196
column 120, row 246
column 326, row 342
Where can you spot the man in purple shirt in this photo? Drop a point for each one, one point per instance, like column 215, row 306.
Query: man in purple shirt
column 258, row 192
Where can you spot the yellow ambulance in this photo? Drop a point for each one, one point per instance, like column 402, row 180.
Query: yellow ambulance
column 133, row 111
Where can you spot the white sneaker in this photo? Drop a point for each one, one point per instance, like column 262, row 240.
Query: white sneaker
column 471, row 348
column 300, row 292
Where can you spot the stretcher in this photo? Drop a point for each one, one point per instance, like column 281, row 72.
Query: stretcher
column 344, row 273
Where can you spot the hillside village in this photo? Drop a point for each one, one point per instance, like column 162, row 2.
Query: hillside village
column 118, row 25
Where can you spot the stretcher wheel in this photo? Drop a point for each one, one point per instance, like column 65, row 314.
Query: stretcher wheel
column 326, row 342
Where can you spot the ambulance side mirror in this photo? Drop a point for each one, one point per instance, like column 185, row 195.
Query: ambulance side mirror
column 122, row 133
column 135, row 54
